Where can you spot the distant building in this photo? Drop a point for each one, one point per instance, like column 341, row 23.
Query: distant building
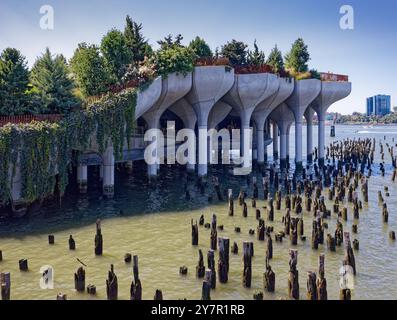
column 395, row 109
column 378, row 105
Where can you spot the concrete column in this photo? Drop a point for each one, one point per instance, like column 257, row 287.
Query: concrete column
column 321, row 138
column 309, row 140
column 82, row 178
column 298, row 144
column 283, row 147
column 108, row 173
column 101, row 172
column 287, row 143
column 261, row 145
column 246, row 145
column 203, row 151
column 275, row 141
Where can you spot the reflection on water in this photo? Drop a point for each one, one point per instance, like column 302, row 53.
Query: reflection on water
column 153, row 221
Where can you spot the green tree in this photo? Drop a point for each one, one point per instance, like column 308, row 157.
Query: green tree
column 88, row 68
column 236, row 52
column 169, row 41
column 135, row 41
column 14, row 81
column 275, row 60
column 200, row 48
column 297, row 59
column 173, row 59
column 116, row 53
column 50, row 79
column 256, row 57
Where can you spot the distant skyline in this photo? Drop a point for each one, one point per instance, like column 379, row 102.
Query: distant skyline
column 366, row 54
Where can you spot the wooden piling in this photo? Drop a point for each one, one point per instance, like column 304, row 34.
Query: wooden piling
column 91, row 289
column 5, row 284
column 23, row 265
column 293, row 282
column 214, row 233
column 158, row 296
column 269, row 278
column 235, row 248
column 136, row 286
column 79, row 280
column 223, row 263
column 321, row 280
column 231, row 202
column 111, row 284
column 311, row 286
column 200, row 268
column 349, row 254
column 72, row 243
column 206, row 289
column 51, row 239
column 195, row 233
column 247, row 260
column 98, row 239
column 211, row 266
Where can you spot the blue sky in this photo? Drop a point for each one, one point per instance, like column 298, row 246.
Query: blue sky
column 367, row 53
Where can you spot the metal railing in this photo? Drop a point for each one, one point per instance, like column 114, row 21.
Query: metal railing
column 27, row 118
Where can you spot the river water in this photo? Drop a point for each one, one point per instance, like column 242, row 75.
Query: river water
column 153, row 222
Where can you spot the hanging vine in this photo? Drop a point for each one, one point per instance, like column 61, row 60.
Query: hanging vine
column 43, row 150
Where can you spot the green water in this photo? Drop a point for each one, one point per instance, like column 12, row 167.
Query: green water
column 153, row 222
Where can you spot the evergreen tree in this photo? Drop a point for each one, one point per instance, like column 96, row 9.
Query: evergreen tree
column 169, row 42
column 136, row 42
column 296, row 60
column 236, row 52
column 116, row 53
column 275, row 60
column 256, row 57
column 200, row 48
column 14, row 80
column 89, row 70
column 50, row 79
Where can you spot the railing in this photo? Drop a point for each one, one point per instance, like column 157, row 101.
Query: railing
column 27, row 118
column 332, row 77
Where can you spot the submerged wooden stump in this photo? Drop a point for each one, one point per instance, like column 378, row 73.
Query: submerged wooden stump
column 235, row 248
column 1, row 255
column 311, row 286
column 211, row 266
column 5, row 284
column 79, row 280
column 321, row 281
column 136, row 286
column 223, row 263
column 293, row 282
column 206, row 289
column 158, row 296
column 200, row 268
column 111, row 285
column 61, row 296
column 72, row 243
column 51, row 239
column 195, row 234
column 91, row 289
column 98, row 239
column 345, row 294
column 214, row 233
column 247, row 260
column 269, row 278
column 23, row 265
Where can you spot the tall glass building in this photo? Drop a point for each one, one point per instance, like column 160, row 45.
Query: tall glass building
column 378, row 105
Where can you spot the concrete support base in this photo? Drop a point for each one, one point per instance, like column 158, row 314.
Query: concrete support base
column 283, row 163
column 108, row 191
column 298, row 166
column 129, row 167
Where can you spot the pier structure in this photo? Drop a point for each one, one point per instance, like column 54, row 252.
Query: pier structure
column 214, row 97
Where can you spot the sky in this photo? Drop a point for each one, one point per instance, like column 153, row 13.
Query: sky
column 367, row 53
